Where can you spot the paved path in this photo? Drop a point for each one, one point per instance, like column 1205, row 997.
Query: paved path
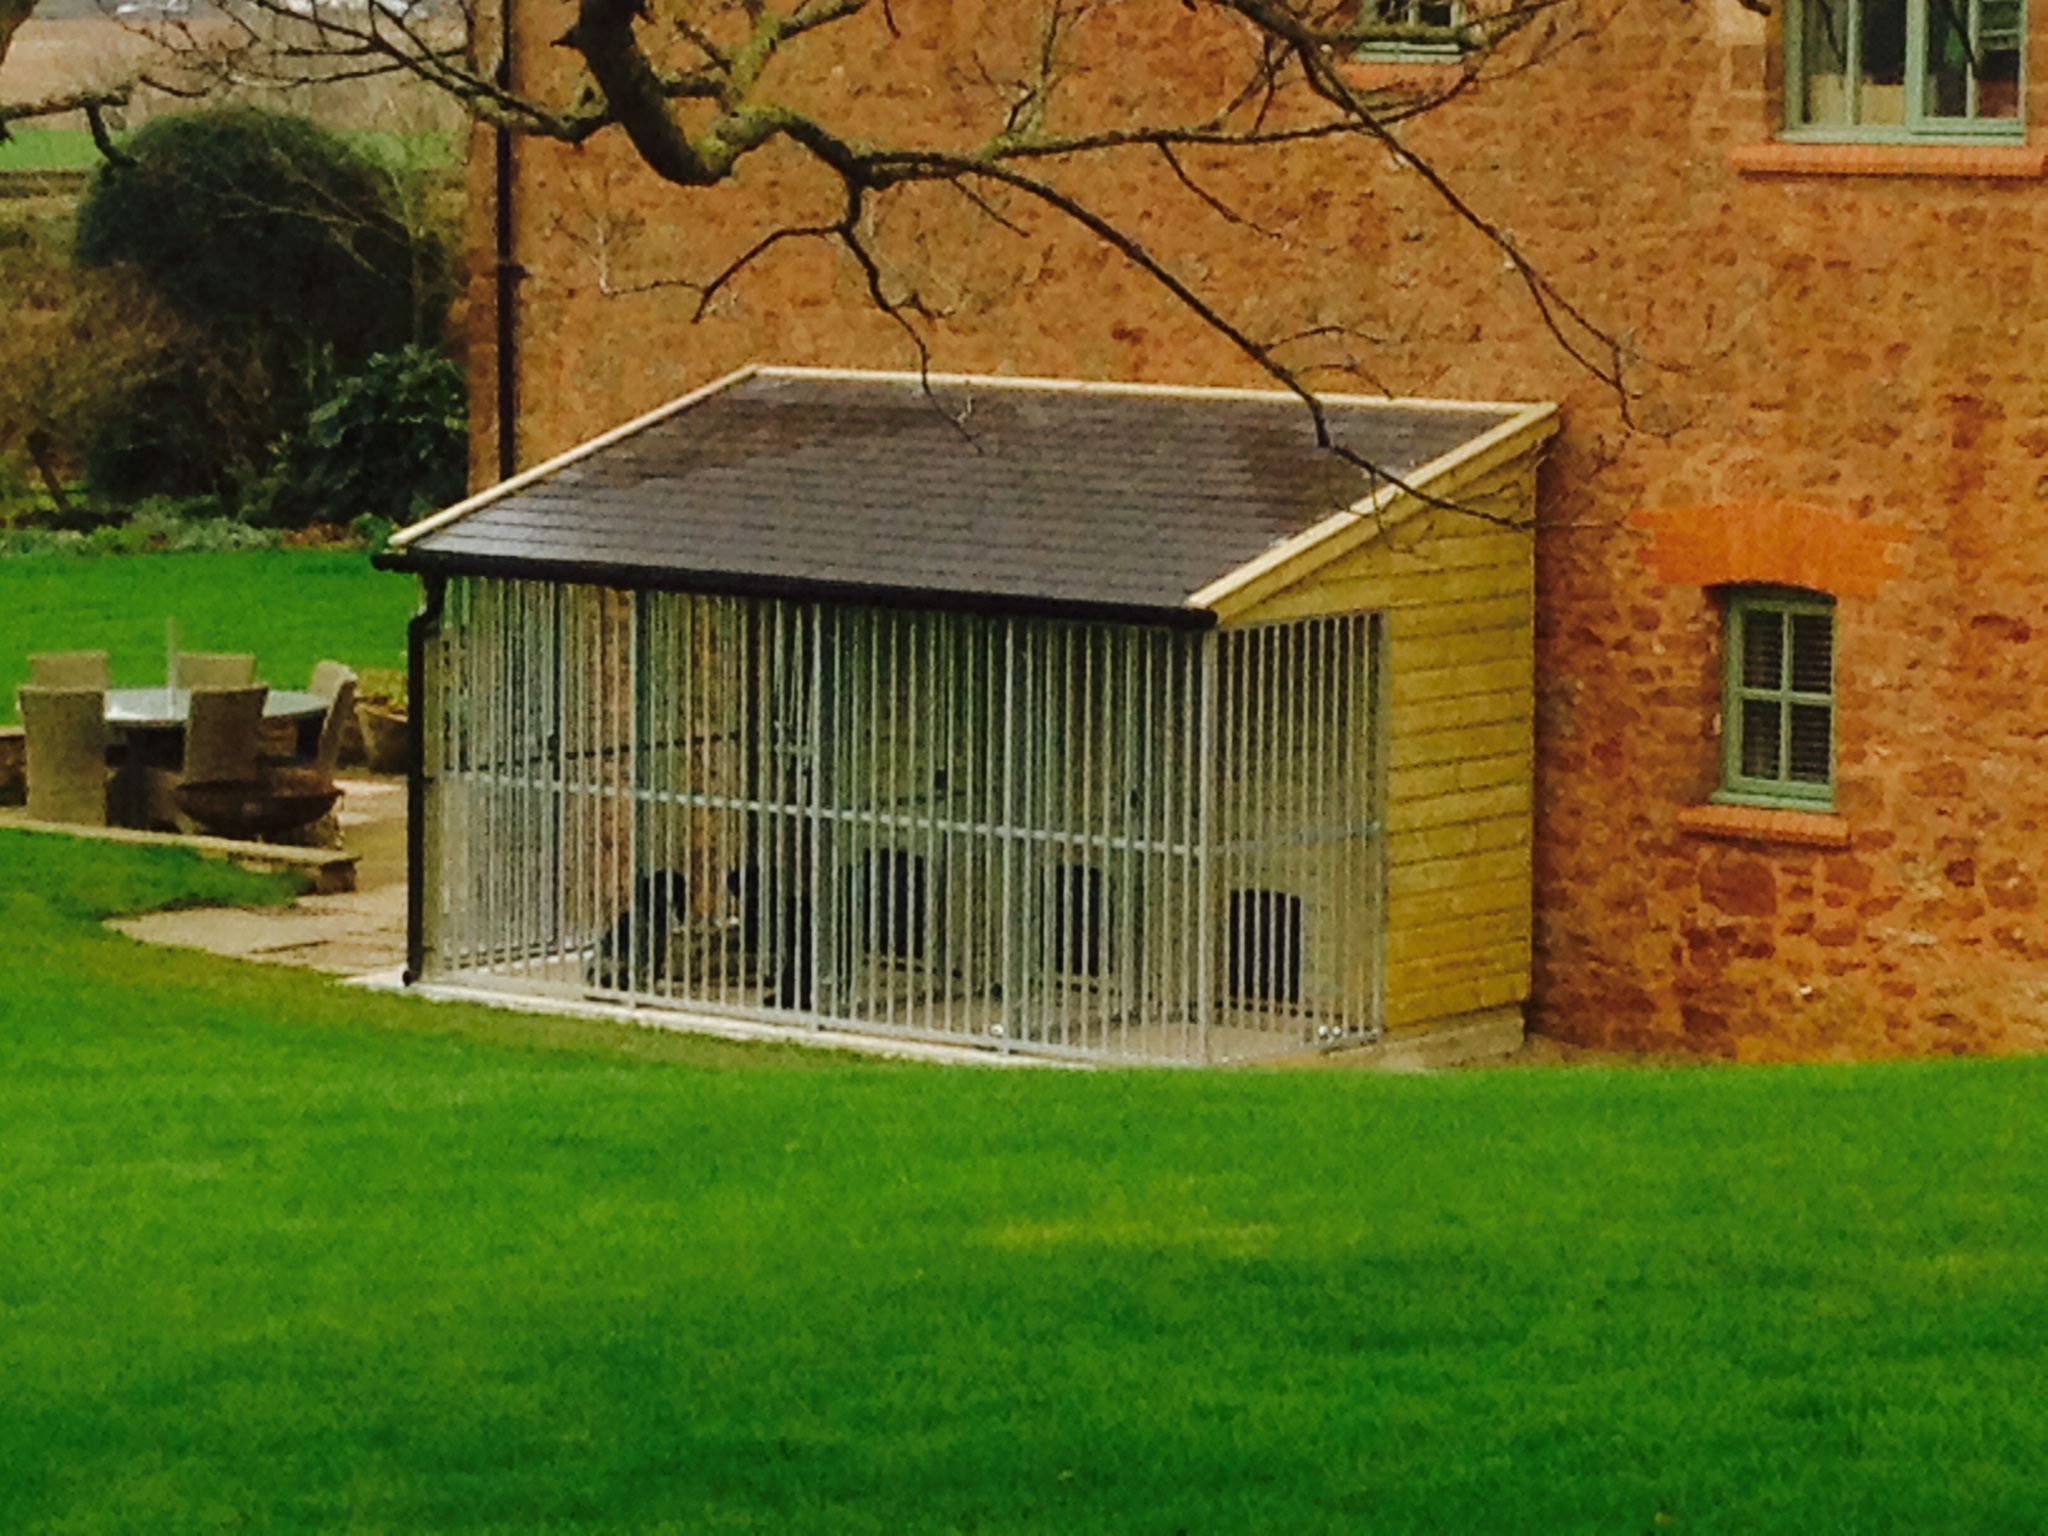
column 356, row 931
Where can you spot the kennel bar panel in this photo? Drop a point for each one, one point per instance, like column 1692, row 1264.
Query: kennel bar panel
column 1086, row 839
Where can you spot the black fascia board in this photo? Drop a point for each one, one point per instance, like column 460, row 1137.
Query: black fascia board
column 642, row 578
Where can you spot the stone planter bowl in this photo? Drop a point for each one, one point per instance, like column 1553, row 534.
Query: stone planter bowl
column 253, row 809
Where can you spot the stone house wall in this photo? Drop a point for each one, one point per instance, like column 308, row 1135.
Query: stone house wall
column 1836, row 379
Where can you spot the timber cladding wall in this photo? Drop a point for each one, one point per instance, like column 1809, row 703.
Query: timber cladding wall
column 1457, row 588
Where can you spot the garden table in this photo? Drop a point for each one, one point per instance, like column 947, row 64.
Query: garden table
column 167, row 709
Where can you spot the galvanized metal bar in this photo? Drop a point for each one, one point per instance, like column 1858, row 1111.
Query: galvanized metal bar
column 1376, row 706
column 924, row 757
column 806, row 967
column 871, row 799
column 1098, row 889
column 504, row 885
column 689, row 707
column 1353, row 720
column 524, row 771
column 733, row 853
column 1205, row 979
column 1323, row 932
column 903, row 863
column 597, row 688
column 889, row 798
column 1006, row 919
column 1088, row 987
column 496, row 745
column 1064, row 836
column 477, row 841
column 1124, row 799
column 940, row 634
column 1151, row 738
column 1060, row 811
column 626, row 709
column 503, row 935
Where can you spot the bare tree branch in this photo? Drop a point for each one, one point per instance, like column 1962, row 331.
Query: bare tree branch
column 1222, row 208
column 709, row 291
column 695, row 90
column 91, row 103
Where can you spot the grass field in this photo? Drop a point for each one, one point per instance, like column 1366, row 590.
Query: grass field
column 291, row 608
column 48, row 149
column 281, row 1256
column 72, row 149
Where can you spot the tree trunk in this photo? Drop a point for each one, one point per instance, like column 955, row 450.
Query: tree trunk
column 42, row 453
column 12, row 14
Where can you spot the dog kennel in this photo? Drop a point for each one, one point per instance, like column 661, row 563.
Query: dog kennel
column 1047, row 718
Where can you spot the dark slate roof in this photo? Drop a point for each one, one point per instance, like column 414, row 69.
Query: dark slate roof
column 981, row 493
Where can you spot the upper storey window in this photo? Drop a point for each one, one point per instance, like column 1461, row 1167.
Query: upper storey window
column 1904, row 69
column 1416, row 31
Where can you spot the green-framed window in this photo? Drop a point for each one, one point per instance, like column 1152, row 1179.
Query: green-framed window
column 1412, row 31
column 1778, row 730
column 1903, row 70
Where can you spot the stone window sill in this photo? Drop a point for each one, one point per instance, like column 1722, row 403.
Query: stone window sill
column 1765, row 824
column 1788, row 158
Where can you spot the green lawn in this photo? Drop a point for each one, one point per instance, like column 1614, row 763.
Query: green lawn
column 277, row 1255
column 291, row 608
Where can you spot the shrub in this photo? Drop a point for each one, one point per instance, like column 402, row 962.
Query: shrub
column 155, row 529
column 372, row 532
column 289, row 257
column 79, row 350
column 385, row 444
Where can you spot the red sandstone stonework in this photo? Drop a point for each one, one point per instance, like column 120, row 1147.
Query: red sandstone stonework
column 1869, row 345
column 1771, row 543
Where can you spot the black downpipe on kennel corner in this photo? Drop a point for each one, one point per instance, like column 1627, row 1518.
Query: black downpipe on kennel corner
column 418, row 632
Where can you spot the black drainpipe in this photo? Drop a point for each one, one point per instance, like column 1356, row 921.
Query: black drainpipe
column 418, row 633
column 508, row 271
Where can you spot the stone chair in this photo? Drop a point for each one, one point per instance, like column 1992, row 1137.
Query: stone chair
column 66, row 742
column 69, row 669
column 328, row 676
column 337, row 685
column 222, row 736
column 214, row 669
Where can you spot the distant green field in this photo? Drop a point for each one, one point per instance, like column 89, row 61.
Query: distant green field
column 410, row 151
column 71, row 149
column 291, row 608
column 49, row 149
